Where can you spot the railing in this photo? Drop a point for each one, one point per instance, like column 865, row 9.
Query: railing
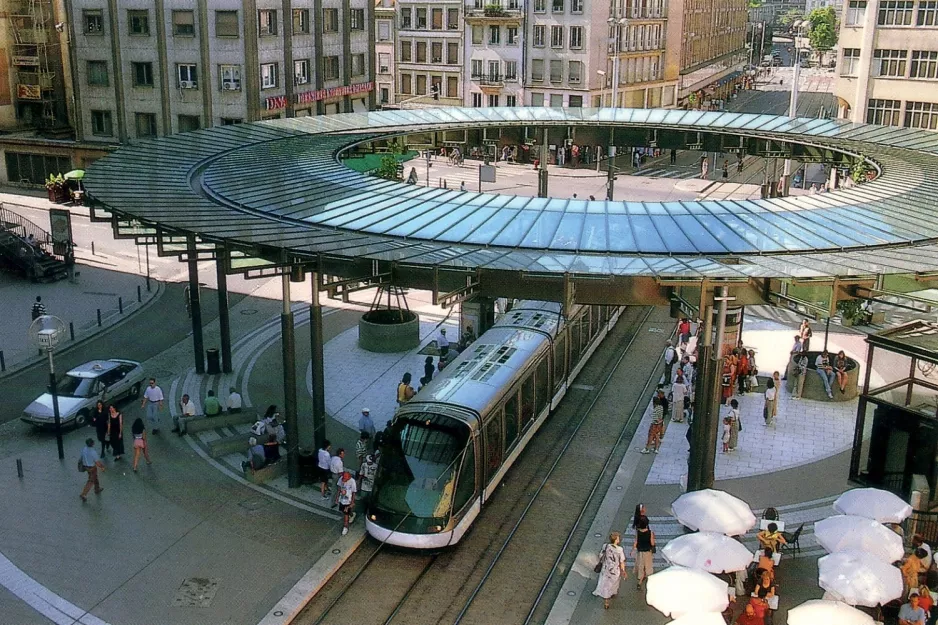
column 489, row 79
column 22, row 227
column 493, row 10
column 924, row 523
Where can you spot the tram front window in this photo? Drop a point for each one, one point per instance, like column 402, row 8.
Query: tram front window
column 420, row 458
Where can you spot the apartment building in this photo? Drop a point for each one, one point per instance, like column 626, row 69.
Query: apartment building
column 888, row 66
column 430, row 55
column 494, row 52
column 146, row 68
column 385, row 51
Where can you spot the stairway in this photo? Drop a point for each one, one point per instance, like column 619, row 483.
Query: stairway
column 36, row 262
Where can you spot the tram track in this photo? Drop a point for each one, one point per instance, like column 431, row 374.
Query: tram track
column 523, row 533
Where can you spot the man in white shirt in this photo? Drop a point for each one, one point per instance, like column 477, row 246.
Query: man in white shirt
column 337, row 467
column 153, row 402
column 323, row 463
column 234, row 400
column 186, row 409
column 824, row 369
column 919, row 543
column 346, row 489
column 670, row 356
column 443, row 343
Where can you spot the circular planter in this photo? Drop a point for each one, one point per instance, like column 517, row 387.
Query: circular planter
column 814, row 387
column 384, row 331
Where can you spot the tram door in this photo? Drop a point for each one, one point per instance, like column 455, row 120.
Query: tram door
column 493, row 450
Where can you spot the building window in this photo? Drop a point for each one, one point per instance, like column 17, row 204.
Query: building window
column 139, row 22
column 421, row 84
column 145, row 125
column 330, row 67
column 889, row 63
column 556, row 36
column 924, row 64
column 556, row 71
column 511, row 70
column 183, row 23
column 421, row 52
column 576, row 6
column 511, row 100
column 494, row 74
column 300, row 21
column 436, row 52
column 385, row 95
column 927, row 16
column 452, row 53
column 143, row 74
column 189, row 123
column 477, row 34
column 885, row 112
column 921, row 115
column 556, row 100
column 896, row 12
column 855, row 13
column 851, row 63
column 537, row 99
column 576, row 101
column 34, row 168
column 538, row 35
column 230, row 121
column 301, row 72
column 436, row 85
column 574, row 71
column 476, row 69
column 384, row 31
column 101, row 123
column 267, row 22
column 452, row 86
column 358, row 64
column 230, row 76
column 186, row 75
column 493, row 99
column 406, row 84
column 495, row 35
column 356, row 19
column 540, row 6
column 330, row 20
column 436, row 19
column 407, row 49
column 421, row 19
column 556, row 6
column 511, row 35
column 384, row 63
column 406, row 18
column 576, row 37
column 97, row 74
column 537, row 70
column 268, row 75
column 452, row 19
column 226, row 24
column 477, row 100
column 94, row 21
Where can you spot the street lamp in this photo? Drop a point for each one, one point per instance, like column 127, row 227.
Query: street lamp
column 45, row 332
column 616, row 25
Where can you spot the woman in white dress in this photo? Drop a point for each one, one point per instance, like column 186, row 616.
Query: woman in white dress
column 612, row 560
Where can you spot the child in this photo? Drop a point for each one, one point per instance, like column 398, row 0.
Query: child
column 726, row 434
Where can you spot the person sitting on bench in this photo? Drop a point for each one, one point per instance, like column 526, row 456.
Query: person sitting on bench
column 255, row 459
column 212, row 405
column 271, row 449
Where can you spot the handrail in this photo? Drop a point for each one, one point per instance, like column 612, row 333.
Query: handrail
column 22, row 227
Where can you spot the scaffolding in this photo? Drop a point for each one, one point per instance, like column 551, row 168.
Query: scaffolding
column 37, row 65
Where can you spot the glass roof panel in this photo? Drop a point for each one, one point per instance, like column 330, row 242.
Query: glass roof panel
column 646, row 236
column 620, row 233
column 568, row 232
column 543, row 229
column 485, row 232
column 515, row 230
column 594, row 233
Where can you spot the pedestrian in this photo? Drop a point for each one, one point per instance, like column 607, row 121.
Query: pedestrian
column 726, row 169
column 186, row 409
column 644, row 548
column 367, row 477
column 824, row 369
column 670, row 355
column 663, row 400
column 90, row 463
column 443, row 344
column 611, row 569
column 800, row 371
column 462, row 186
column 404, row 390
column 153, row 402
column 639, row 514
column 683, row 331
column 115, row 432
column 428, row 369
column 257, row 459
column 211, row 407
column 727, row 426
column 704, row 166
column 735, row 425
column 323, row 463
column 346, row 489
column 806, row 334
column 743, row 372
column 673, row 156
column 365, row 424
column 39, row 309
column 768, row 408
column 100, row 420
column 337, row 468
column 739, row 165
column 776, row 378
column 139, row 432
column 234, row 401
column 656, row 428
column 362, row 446
column 840, row 370
column 678, row 395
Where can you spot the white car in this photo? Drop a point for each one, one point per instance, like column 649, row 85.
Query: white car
column 82, row 387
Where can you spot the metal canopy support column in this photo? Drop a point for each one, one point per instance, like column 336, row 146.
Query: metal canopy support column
column 195, row 305
column 288, row 347
column 221, row 262
column 316, row 354
column 542, row 173
column 702, row 419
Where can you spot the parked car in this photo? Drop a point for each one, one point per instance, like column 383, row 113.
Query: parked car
column 105, row 380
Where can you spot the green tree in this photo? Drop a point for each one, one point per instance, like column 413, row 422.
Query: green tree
column 822, row 33
column 755, row 4
column 790, row 16
column 388, row 166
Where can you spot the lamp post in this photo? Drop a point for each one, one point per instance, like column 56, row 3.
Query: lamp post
column 45, row 332
column 615, row 25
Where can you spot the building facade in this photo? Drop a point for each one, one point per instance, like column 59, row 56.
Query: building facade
column 430, row 53
column 385, row 52
column 494, row 33
column 888, row 66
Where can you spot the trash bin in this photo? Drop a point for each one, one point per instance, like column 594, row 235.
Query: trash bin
column 307, row 467
column 213, row 361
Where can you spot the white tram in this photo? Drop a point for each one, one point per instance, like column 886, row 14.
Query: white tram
column 446, row 450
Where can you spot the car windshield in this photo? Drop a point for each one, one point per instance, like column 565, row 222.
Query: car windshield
column 71, row 386
column 419, row 459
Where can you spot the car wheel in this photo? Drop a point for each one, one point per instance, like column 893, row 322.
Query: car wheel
column 134, row 391
column 81, row 420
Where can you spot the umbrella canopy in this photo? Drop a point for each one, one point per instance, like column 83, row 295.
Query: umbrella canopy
column 75, row 174
column 712, row 552
column 859, row 578
column 713, row 511
column 873, row 503
column 677, row 591
column 700, row 618
column 828, row 612
column 844, row 532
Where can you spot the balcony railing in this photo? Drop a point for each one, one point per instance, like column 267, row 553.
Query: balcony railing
column 494, row 11
column 490, row 80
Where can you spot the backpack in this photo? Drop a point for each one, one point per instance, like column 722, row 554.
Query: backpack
column 259, row 428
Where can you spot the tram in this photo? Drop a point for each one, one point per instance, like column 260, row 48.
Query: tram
column 447, row 449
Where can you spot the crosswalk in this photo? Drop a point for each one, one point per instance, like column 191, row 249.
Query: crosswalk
column 676, row 172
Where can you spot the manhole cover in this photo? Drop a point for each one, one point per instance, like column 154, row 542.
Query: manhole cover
column 249, row 311
column 196, row 592
column 254, row 504
column 160, row 374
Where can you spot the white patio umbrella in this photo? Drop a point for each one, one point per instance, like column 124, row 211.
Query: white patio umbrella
column 873, row 503
column 827, row 612
column 677, row 591
column 710, row 551
column 858, row 578
column 700, row 618
column 845, row 532
column 713, row 511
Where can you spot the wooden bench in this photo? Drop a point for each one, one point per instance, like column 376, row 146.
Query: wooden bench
column 268, row 473
column 236, row 444
column 201, row 423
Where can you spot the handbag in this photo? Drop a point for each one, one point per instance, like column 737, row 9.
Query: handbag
column 81, row 466
column 599, row 564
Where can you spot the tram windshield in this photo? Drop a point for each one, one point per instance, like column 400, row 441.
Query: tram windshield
column 420, row 457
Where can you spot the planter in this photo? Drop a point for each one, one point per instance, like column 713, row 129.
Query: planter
column 389, row 330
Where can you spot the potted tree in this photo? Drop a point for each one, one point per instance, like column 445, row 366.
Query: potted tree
column 851, row 311
column 55, row 187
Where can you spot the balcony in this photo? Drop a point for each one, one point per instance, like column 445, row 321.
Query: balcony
column 489, row 80
column 493, row 13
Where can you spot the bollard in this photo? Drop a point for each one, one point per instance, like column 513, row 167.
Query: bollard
column 99, row 317
column 3, row 363
column 139, row 294
column 71, row 330
column 92, row 248
column 19, row 468
column 120, row 305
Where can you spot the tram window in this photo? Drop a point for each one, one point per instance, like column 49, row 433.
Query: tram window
column 575, row 338
column 594, row 321
column 493, row 445
column 511, row 420
column 542, row 380
column 466, row 488
column 560, row 359
column 604, row 316
column 527, row 401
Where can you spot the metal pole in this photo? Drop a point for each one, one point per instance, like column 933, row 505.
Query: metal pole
column 195, row 306
column 289, row 385
column 827, row 329
column 542, row 173
column 792, row 113
column 316, row 353
column 762, row 45
column 147, row 248
column 224, row 323
column 428, row 169
column 611, row 170
column 617, row 32
column 55, row 408
column 702, row 418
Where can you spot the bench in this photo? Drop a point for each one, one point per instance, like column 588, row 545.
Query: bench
column 200, row 423
column 268, row 473
column 225, row 445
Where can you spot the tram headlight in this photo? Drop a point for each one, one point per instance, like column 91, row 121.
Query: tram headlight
column 373, row 517
column 436, row 528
